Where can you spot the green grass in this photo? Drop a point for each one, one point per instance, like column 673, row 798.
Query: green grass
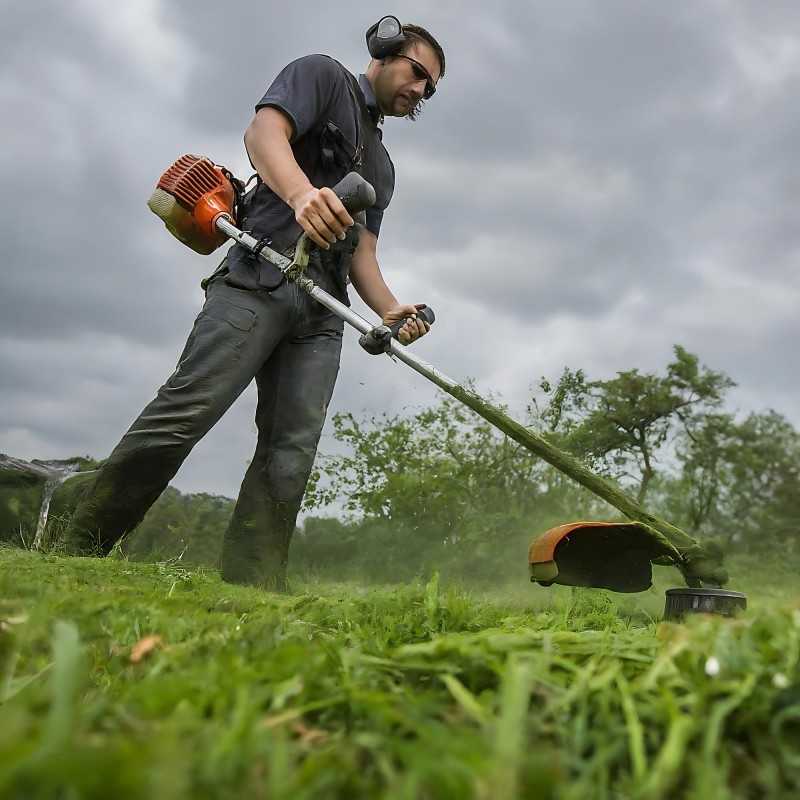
column 403, row 692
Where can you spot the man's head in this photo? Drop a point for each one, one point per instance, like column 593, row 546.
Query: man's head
column 404, row 80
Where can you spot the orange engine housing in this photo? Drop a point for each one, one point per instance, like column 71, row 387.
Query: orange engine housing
column 190, row 197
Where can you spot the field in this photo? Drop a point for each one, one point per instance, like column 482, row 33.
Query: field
column 132, row 680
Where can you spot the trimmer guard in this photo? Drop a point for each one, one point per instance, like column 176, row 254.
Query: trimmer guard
column 603, row 555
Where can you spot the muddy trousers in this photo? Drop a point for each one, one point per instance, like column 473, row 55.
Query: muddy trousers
column 291, row 346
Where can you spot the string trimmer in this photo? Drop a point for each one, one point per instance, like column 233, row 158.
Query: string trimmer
column 197, row 200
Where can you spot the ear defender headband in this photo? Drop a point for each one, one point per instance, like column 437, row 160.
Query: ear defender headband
column 385, row 37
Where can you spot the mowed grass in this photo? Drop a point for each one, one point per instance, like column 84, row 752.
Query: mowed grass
column 403, row 692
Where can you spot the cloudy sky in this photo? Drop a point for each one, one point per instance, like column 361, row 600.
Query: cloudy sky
column 591, row 184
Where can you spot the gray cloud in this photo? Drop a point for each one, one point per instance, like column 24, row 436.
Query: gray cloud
column 591, row 184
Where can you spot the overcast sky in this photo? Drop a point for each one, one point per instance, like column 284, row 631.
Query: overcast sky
column 592, row 184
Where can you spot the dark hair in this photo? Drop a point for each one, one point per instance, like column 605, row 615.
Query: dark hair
column 414, row 35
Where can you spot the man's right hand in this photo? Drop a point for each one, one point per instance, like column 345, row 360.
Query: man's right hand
column 319, row 212
column 322, row 216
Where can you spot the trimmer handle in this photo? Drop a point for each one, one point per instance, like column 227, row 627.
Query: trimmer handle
column 425, row 314
column 355, row 193
column 378, row 340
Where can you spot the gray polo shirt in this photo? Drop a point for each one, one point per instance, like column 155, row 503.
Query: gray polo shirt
column 331, row 136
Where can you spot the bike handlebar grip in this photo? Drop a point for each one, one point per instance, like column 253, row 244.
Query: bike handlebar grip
column 355, row 193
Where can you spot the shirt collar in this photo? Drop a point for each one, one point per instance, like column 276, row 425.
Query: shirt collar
column 369, row 97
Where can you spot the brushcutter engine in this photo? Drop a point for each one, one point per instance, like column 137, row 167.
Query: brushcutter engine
column 191, row 196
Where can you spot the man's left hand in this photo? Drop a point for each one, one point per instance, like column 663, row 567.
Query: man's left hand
column 414, row 326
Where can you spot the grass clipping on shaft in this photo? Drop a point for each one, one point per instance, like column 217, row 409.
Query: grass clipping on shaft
column 148, row 680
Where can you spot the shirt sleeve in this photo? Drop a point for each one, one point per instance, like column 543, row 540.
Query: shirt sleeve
column 374, row 219
column 303, row 91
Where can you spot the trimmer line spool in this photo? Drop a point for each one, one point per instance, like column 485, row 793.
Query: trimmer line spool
column 682, row 602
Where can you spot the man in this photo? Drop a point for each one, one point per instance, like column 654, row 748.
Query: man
column 316, row 123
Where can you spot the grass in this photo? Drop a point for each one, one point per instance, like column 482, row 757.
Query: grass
column 415, row 691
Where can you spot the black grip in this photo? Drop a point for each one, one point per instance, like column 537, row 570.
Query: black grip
column 355, row 193
column 378, row 340
column 425, row 314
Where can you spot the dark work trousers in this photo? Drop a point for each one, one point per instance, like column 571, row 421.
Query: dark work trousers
column 291, row 345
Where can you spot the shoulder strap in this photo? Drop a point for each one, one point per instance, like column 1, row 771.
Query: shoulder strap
column 365, row 124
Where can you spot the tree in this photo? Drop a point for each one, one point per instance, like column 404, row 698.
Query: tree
column 706, row 451
column 444, row 483
column 190, row 526
column 761, row 507
column 442, row 465
column 624, row 426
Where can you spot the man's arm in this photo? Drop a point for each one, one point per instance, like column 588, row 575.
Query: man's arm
column 319, row 211
column 367, row 280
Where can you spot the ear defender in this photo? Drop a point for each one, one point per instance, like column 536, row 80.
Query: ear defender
column 385, row 37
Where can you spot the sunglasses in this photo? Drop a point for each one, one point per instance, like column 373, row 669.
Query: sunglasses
column 421, row 74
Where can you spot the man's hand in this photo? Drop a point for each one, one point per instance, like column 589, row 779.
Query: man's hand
column 322, row 216
column 414, row 327
column 319, row 212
